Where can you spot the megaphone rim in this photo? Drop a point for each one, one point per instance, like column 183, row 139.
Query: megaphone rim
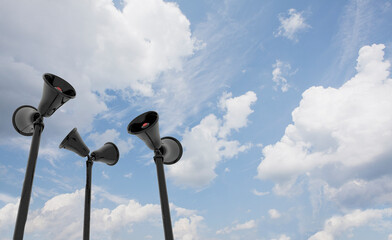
column 14, row 117
column 59, row 92
column 143, row 130
column 179, row 155
column 66, row 137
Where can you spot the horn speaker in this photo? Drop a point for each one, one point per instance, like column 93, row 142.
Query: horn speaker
column 23, row 119
column 108, row 154
column 56, row 92
column 74, row 143
column 146, row 127
column 28, row 121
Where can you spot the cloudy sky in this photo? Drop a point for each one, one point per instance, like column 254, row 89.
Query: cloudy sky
column 284, row 111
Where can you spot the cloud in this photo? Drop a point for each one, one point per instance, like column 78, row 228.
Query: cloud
column 187, row 228
column 274, row 214
column 7, row 198
column 237, row 111
column 282, row 237
column 64, row 213
column 338, row 134
column 257, row 193
column 241, row 226
column 337, row 225
column 206, row 144
column 281, row 70
column 121, row 51
column 291, row 25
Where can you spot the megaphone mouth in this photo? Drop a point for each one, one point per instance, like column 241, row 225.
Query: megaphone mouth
column 143, row 122
column 23, row 119
column 59, row 85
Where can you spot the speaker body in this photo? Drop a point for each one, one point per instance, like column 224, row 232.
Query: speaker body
column 74, row 143
column 108, row 154
column 146, row 127
column 171, row 150
column 23, row 119
column 56, row 92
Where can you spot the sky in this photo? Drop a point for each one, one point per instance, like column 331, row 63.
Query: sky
column 283, row 109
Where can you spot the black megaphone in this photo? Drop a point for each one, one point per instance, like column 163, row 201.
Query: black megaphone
column 108, row 154
column 56, row 92
column 146, row 127
column 74, row 143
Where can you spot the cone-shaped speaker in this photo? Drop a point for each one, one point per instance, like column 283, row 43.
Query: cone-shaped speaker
column 74, row 143
column 56, row 92
column 108, row 154
column 146, row 127
column 23, row 119
column 171, row 150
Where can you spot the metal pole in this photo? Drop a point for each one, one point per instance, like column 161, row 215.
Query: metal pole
column 87, row 200
column 28, row 181
column 158, row 158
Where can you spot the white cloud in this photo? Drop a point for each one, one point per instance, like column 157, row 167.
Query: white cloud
column 282, row 237
column 237, row 111
column 291, row 25
column 105, row 175
column 7, row 198
column 64, row 213
column 128, row 175
column 337, row 225
column 206, row 144
column 257, row 193
column 187, row 228
column 281, row 70
column 241, row 226
column 124, row 51
column 8, row 217
column 274, row 214
column 337, row 134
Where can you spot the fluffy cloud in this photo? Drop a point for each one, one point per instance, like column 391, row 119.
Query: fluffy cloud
column 281, row 70
column 274, row 214
column 337, row 225
column 92, row 45
column 206, row 144
column 64, row 213
column 187, row 228
column 339, row 135
column 291, row 25
column 241, row 226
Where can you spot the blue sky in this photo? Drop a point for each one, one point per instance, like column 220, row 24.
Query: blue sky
column 284, row 110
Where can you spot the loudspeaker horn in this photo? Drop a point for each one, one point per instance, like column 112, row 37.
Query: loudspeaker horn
column 146, row 127
column 171, row 150
column 108, row 154
column 74, row 143
column 23, row 119
column 56, row 92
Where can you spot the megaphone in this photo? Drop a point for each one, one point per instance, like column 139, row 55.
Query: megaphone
column 167, row 150
column 108, row 154
column 28, row 121
column 23, row 119
column 74, row 143
column 56, row 92
column 146, row 127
